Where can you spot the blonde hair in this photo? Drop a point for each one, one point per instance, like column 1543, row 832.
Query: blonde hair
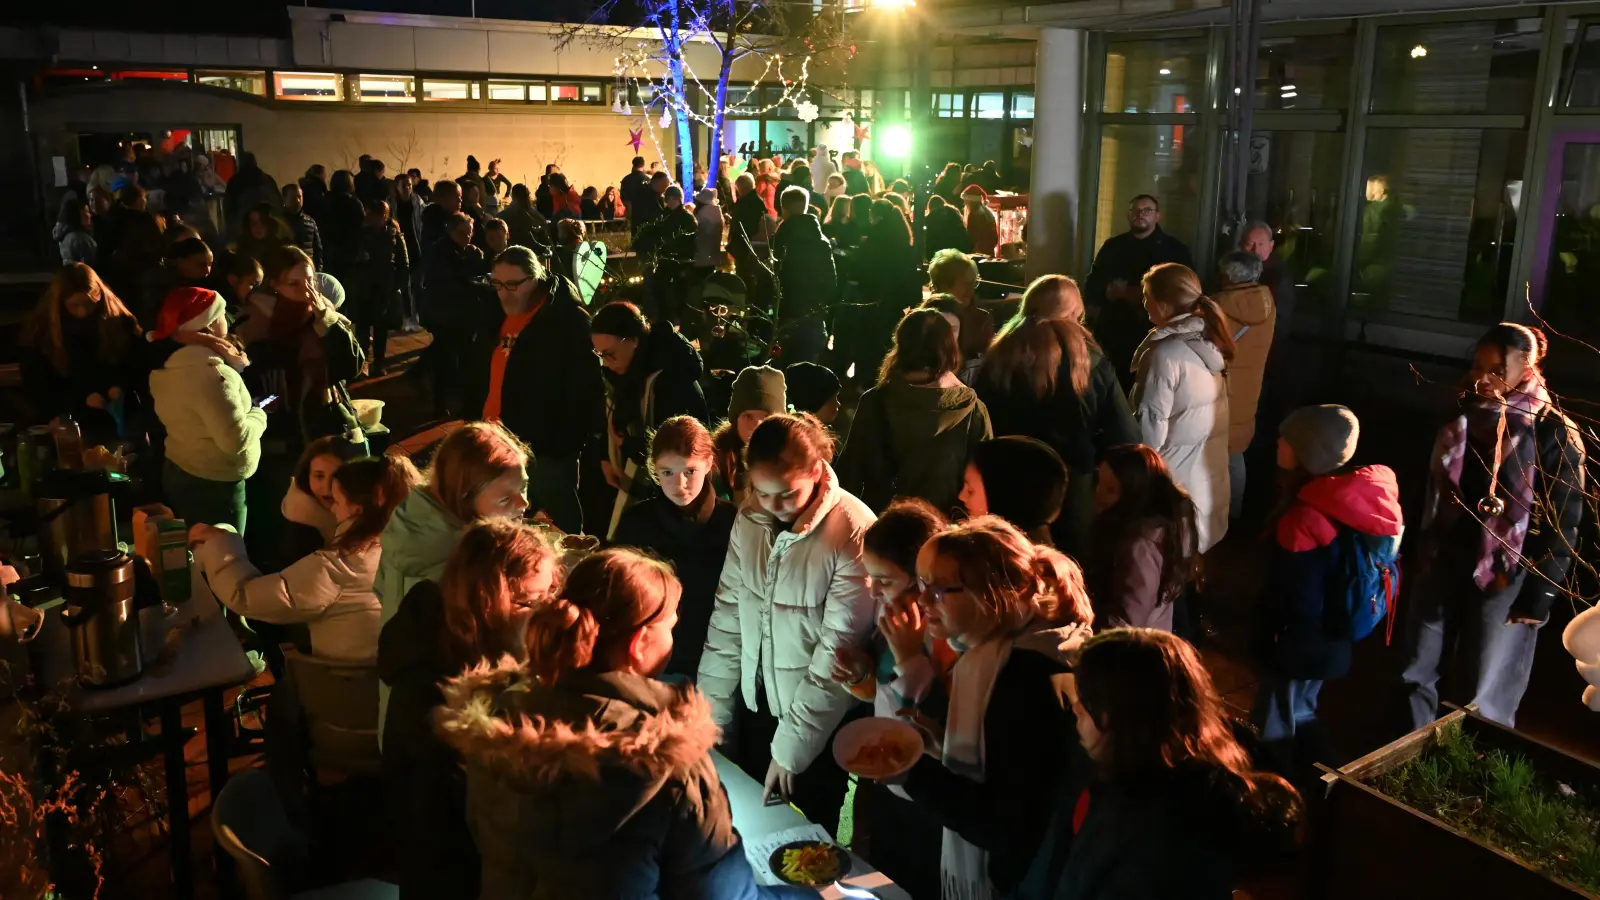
column 468, row 460
column 1028, row 350
column 949, row 266
column 1177, row 288
column 1013, row 579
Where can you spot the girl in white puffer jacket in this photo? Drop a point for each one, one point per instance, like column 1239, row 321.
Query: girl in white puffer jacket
column 1180, row 393
column 793, row 592
column 330, row 591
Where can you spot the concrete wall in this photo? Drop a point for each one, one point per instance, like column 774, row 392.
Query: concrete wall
column 591, row 146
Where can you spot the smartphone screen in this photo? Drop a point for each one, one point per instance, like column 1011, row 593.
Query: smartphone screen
column 266, row 401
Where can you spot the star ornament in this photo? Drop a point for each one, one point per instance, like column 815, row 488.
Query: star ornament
column 635, row 137
column 807, row 111
column 862, row 135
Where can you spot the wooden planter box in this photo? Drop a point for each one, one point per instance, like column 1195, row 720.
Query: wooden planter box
column 1372, row 847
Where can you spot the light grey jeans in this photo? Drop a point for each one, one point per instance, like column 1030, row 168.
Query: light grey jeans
column 1459, row 629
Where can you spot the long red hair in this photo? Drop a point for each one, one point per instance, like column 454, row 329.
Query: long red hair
column 42, row 331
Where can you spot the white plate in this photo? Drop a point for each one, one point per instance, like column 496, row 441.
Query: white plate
column 862, row 732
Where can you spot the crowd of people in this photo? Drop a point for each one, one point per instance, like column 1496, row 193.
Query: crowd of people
column 1008, row 506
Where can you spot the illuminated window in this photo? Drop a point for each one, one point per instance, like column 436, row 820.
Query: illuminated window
column 950, row 106
column 989, row 106
column 307, row 86
column 512, row 91
column 1022, row 105
column 577, row 93
column 449, row 90
column 385, row 88
column 246, row 82
column 149, row 75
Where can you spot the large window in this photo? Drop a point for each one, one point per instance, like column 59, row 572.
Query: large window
column 1294, row 187
column 1022, row 105
column 1437, row 221
column 989, row 105
column 384, row 88
column 1457, row 67
column 950, row 106
column 577, row 93
column 1162, row 76
column 438, row 89
column 1163, row 160
column 1305, row 72
column 247, row 82
column 307, row 86
column 1583, row 91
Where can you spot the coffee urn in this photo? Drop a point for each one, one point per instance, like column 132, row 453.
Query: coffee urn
column 77, row 514
column 103, row 619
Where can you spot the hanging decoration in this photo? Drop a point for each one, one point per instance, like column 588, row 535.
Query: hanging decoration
column 807, row 111
column 862, row 135
column 665, row 121
column 636, row 137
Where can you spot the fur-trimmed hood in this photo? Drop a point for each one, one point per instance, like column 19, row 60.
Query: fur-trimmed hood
column 570, row 764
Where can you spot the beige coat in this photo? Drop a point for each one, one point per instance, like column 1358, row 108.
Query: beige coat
column 1252, row 316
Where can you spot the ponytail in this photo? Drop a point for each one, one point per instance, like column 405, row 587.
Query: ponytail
column 1064, row 599
column 1219, row 331
column 377, row 485
column 608, row 597
column 560, row 638
column 1026, row 354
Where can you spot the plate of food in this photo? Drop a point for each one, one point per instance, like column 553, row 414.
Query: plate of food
column 810, row 863
column 877, row 748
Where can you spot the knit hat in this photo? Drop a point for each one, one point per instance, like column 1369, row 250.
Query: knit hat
column 810, row 385
column 704, row 196
column 330, row 289
column 1323, row 437
column 1024, row 478
column 757, row 387
column 187, row 309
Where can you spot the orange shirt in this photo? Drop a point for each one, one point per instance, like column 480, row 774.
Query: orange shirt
column 509, row 329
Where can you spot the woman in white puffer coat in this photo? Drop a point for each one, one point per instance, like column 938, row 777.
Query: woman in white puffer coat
column 793, row 592
column 1180, row 393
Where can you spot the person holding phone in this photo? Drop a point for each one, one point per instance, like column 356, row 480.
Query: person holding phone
column 213, row 428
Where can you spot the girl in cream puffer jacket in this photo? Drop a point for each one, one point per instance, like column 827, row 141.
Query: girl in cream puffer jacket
column 1180, row 395
column 793, row 591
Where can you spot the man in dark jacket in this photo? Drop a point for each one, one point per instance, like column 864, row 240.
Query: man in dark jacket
column 420, row 186
column 248, row 187
column 472, row 205
column 526, row 224
column 306, row 235
column 804, row 258
column 747, row 241
column 633, row 181
column 314, row 191
column 437, row 215
column 371, row 185
column 542, row 201
column 1280, row 389
column 543, row 382
column 1114, row 282
column 855, row 181
column 647, row 203
column 408, row 209
column 473, row 175
column 669, row 242
column 450, row 268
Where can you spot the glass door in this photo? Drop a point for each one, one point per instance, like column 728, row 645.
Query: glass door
column 1563, row 290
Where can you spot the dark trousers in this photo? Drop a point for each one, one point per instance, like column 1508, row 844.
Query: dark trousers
column 445, row 362
column 203, row 501
column 818, row 791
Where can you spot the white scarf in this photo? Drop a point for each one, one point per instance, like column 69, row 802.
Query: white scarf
column 964, row 868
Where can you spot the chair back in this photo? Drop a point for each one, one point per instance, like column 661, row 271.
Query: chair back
column 339, row 707
column 249, row 823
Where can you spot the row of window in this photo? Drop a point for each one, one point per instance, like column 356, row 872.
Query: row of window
column 1453, row 68
column 983, row 105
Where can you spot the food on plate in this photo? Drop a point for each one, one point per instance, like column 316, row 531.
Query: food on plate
column 812, row 863
column 883, row 756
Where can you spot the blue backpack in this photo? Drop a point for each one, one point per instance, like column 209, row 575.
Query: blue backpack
column 1369, row 570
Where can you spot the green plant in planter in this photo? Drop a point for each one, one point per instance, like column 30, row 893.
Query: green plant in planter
column 1500, row 799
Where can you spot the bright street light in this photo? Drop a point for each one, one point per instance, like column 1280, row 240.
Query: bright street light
column 896, row 142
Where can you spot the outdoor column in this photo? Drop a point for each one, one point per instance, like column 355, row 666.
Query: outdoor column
column 1057, row 148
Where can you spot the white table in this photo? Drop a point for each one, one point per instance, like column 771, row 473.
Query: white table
column 206, row 661
column 755, row 821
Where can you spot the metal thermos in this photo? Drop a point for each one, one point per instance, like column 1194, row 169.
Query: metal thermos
column 76, row 516
column 103, row 620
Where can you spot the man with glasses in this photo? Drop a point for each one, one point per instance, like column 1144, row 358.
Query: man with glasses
column 1114, row 283
column 543, row 381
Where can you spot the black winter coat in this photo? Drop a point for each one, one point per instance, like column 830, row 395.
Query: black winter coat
column 1026, row 733
column 427, row 787
column 553, row 398
column 695, row 540
column 306, row 236
column 1123, row 324
column 1187, row 833
column 804, row 257
column 51, row 392
column 1081, row 429
column 605, row 788
column 674, row 391
column 945, row 231
column 341, row 234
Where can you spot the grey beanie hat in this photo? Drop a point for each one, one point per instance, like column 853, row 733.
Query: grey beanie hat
column 758, row 387
column 1323, row 437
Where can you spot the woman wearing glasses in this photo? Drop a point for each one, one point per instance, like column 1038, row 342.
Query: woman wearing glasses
column 1017, row 609
column 541, row 348
column 474, row 615
column 793, row 594
column 651, row 375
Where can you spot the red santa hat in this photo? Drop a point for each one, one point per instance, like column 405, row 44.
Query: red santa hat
column 974, row 190
column 187, row 309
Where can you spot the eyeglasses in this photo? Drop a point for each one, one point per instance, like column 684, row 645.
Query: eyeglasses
column 1144, row 211
column 609, row 355
column 509, row 285
column 938, row 594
